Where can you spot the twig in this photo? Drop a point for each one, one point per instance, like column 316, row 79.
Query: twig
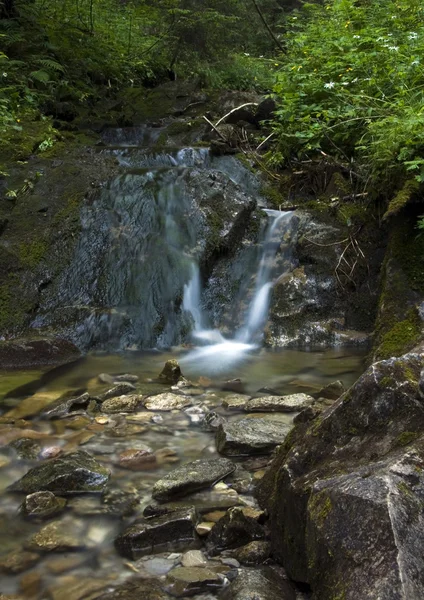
column 234, row 110
column 215, row 129
column 265, row 140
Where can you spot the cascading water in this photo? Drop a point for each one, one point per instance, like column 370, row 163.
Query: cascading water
column 148, row 240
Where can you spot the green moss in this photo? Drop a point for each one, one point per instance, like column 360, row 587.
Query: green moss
column 319, row 507
column 30, row 254
column 403, row 196
column 13, row 304
column 406, row 438
column 404, row 489
column 401, row 337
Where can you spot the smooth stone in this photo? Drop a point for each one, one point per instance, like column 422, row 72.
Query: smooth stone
column 71, row 474
column 167, row 402
column 135, row 589
column 234, row 530
column 171, row 372
column 173, row 531
column 254, row 553
column 250, row 436
column 58, row 536
column 158, row 566
column 137, row 460
column 126, row 378
column 193, row 558
column 189, row 581
column 191, row 477
column 292, row 403
column 60, row 564
column 30, row 585
column 121, row 404
column 26, row 448
column 258, row 584
column 235, row 401
column 42, row 505
column 204, row 528
column 119, row 390
column 63, row 407
column 18, row 561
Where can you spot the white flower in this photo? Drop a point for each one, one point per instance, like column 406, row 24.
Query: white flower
column 380, row 39
column 4, row 74
column 355, row 80
column 345, row 83
column 357, row 37
column 246, row 54
column 329, row 85
column 415, row 62
column 394, row 48
column 412, row 35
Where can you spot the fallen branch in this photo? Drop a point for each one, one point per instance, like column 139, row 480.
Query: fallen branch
column 234, row 110
column 265, row 140
column 215, row 129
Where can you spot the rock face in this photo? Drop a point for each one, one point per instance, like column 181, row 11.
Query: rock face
column 191, row 477
column 292, row 403
column 24, row 354
column 174, row 531
column 75, row 473
column 250, row 436
column 259, row 584
column 345, row 496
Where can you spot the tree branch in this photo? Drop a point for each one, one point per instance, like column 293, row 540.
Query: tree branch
column 268, row 28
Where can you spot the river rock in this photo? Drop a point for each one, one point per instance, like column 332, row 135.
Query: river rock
column 135, row 589
column 291, row 403
column 120, row 503
column 171, row 372
column 137, row 460
column 332, row 391
column 125, row 377
column 119, row 390
column 193, row 558
column 259, row 584
column 18, row 561
column 58, row 536
column 233, row 530
column 345, row 496
column 173, row 531
column 121, row 404
column 250, row 436
column 235, row 401
column 189, row 581
column 212, row 420
column 167, row 401
column 26, row 448
column 191, row 477
column 42, row 505
column 75, row 473
column 63, row 407
column 254, row 553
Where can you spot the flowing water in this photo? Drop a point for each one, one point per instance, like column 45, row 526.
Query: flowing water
column 139, row 280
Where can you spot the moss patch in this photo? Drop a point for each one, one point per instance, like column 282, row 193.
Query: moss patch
column 403, row 196
column 403, row 336
column 406, row 438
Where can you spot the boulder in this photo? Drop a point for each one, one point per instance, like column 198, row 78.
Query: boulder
column 171, row 372
column 75, row 473
column 345, row 494
column 170, row 532
column 167, row 401
column 25, row 354
column 233, row 530
column 292, row 403
column 191, row 477
column 250, row 436
column 259, row 584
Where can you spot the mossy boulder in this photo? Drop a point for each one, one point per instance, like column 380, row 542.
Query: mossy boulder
column 345, row 493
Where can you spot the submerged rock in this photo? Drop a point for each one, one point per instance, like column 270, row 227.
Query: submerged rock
column 137, row 460
column 332, row 391
column 121, row 404
column 171, row 372
column 345, row 496
column 292, row 403
column 135, row 589
column 191, row 477
column 18, row 561
column 259, row 584
column 58, row 536
column 167, row 401
column 189, row 581
column 235, row 401
column 173, row 531
column 42, row 505
column 250, row 436
column 75, row 473
column 119, row 390
column 125, row 377
column 26, row 448
column 233, row 530
column 62, row 407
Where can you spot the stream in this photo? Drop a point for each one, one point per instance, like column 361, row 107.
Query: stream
column 142, row 290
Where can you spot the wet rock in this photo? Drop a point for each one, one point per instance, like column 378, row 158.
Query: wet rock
column 259, row 584
column 105, row 378
column 24, row 354
column 73, row 587
column 204, row 528
column 291, row 403
column 119, row 502
column 250, row 436
column 58, row 536
column 191, row 477
column 265, row 110
column 121, row 404
column 135, row 589
column 75, row 473
column 196, row 414
column 42, row 505
column 212, row 421
column 235, row 401
column 332, row 391
column 193, row 558
column 189, row 581
column 254, row 553
column 26, row 448
column 56, row 565
column 167, row 401
column 64, row 407
column 137, row 460
column 18, row 561
column 233, row 385
column 173, row 531
column 126, row 377
column 30, row 585
column 234, row 530
column 171, row 372
column 119, row 390
column 345, row 497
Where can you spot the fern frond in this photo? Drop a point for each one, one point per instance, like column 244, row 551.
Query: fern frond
column 41, row 76
column 50, row 65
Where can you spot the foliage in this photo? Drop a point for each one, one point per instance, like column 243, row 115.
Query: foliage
column 352, row 86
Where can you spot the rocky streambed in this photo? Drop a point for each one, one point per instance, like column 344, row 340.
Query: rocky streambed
column 126, row 484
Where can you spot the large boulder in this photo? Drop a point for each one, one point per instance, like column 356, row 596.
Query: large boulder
column 345, row 493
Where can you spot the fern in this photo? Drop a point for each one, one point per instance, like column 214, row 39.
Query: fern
column 41, row 76
column 50, row 65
